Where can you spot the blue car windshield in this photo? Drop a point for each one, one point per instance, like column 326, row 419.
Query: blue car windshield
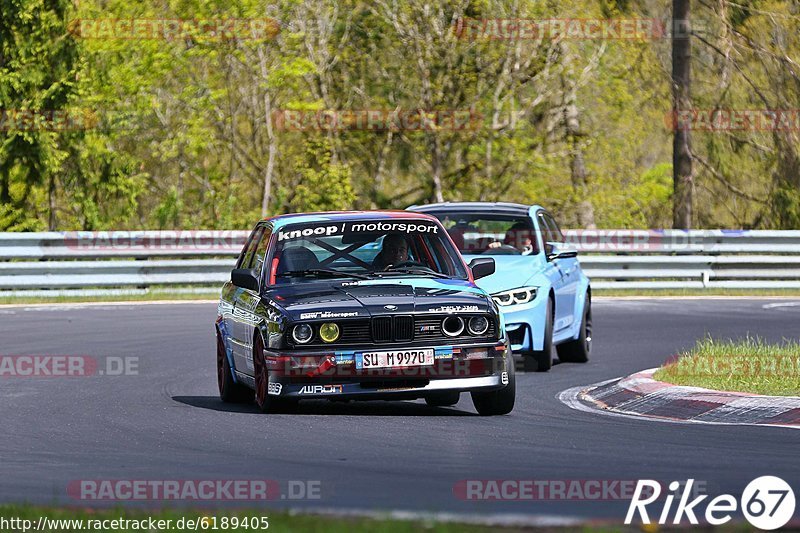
column 490, row 234
column 363, row 249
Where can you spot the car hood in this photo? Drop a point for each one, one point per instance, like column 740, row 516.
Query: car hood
column 350, row 299
column 511, row 271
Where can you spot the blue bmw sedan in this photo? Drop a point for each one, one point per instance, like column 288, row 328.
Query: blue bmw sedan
column 538, row 284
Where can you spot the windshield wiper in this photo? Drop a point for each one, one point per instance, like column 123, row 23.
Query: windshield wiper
column 423, row 271
column 320, row 272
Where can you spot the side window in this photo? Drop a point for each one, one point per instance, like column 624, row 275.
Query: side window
column 248, row 255
column 555, row 231
column 544, row 228
column 261, row 249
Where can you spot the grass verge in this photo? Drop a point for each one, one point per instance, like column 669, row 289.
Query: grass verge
column 749, row 365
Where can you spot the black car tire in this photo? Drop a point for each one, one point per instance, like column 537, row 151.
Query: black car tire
column 542, row 360
column 229, row 390
column 499, row 402
column 443, row 399
column 578, row 350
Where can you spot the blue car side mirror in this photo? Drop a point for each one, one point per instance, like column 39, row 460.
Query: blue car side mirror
column 554, row 251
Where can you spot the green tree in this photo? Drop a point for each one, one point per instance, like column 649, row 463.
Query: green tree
column 323, row 185
column 38, row 75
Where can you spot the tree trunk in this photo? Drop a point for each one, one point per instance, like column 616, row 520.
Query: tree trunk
column 5, row 193
column 273, row 151
column 268, row 177
column 51, row 197
column 580, row 187
column 681, row 143
column 436, row 164
column 273, row 147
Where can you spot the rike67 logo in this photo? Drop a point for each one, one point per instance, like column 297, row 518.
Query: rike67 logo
column 767, row 503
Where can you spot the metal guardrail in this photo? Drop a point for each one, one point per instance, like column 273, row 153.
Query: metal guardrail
column 121, row 244
column 693, row 271
column 684, row 242
column 135, row 262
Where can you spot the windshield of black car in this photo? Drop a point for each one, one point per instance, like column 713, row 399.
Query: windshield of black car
column 490, row 234
column 358, row 248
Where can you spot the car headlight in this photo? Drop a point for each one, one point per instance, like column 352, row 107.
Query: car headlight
column 522, row 295
column 329, row 332
column 453, row 326
column 302, row 333
column 478, row 325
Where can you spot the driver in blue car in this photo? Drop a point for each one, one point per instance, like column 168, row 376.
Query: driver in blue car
column 517, row 236
column 393, row 252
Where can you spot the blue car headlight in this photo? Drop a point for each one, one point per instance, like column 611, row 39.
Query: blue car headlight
column 522, row 295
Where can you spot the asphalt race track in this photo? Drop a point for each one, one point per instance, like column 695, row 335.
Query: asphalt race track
column 168, row 423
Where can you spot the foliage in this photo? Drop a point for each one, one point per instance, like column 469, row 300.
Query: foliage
column 324, row 185
column 185, row 133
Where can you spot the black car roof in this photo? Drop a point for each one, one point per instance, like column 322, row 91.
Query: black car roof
column 497, row 208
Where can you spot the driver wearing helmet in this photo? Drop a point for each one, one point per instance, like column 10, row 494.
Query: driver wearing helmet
column 393, row 252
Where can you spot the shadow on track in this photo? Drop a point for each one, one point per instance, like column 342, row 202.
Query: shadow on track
column 323, row 407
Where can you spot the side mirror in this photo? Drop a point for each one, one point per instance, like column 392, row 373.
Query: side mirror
column 481, row 267
column 244, row 278
column 555, row 251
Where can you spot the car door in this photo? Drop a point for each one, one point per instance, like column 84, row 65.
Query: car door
column 551, row 270
column 244, row 303
column 568, row 267
column 249, row 301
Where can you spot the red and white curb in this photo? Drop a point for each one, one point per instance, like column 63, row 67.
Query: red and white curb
column 639, row 395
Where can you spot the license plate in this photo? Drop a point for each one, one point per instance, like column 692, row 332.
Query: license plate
column 397, row 359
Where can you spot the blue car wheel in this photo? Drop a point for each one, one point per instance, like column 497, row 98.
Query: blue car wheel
column 578, row 350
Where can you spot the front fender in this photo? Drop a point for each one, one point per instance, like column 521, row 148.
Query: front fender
column 224, row 336
column 580, row 304
column 530, row 316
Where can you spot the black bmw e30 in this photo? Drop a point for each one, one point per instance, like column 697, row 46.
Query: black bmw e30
column 360, row 305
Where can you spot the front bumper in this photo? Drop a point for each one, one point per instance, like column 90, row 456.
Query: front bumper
column 387, row 390
column 335, row 376
column 525, row 324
